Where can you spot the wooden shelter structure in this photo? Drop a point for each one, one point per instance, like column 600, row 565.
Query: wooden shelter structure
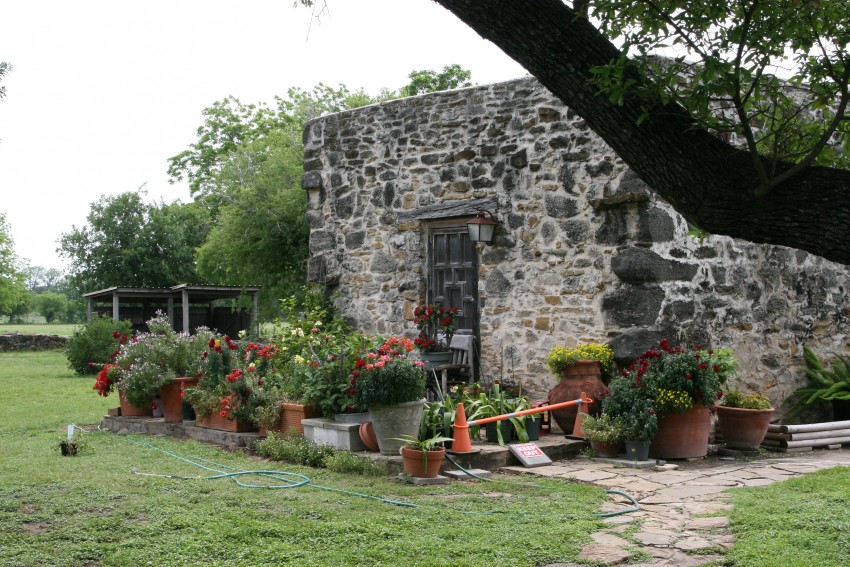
column 199, row 305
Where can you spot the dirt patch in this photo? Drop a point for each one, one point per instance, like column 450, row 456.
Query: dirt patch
column 36, row 528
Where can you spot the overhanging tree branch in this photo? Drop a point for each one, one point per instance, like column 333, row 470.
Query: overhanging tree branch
column 710, row 183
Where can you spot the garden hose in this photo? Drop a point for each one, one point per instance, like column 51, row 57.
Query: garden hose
column 295, row 480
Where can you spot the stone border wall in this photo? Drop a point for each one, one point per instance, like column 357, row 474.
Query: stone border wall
column 17, row 341
column 584, row 251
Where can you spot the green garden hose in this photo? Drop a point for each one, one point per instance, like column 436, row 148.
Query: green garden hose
column 295, row 480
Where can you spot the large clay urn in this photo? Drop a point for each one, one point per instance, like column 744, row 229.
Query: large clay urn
column 682, row 435
column 583, row 376
column 743, row 429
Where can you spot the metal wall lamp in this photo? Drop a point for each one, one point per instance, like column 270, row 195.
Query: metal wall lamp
column 481, row 228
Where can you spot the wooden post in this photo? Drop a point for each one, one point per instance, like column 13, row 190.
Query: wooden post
column 171, row 312
column 185, row 297
column 116, row 315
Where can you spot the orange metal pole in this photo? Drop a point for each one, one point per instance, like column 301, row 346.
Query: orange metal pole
column 582, row 400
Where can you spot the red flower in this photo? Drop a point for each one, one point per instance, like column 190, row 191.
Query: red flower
column 123, row 339
column 223, row 413
column 717, row 368
column 259, row 382
column 115, row 334
column 217, row 348
column 652, row 412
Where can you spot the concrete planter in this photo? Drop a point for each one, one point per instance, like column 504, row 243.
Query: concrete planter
column 326, row 431
column 395, row 421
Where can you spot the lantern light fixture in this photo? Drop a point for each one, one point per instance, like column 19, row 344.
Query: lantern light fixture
column 481, row 228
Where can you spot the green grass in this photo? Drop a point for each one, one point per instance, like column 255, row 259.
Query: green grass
column 798, row 522
column 61, row 329
column 92, row 510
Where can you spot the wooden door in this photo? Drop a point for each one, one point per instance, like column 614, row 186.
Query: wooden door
column 452, row 274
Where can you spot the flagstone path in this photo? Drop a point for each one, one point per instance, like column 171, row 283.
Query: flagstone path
column 671, row 525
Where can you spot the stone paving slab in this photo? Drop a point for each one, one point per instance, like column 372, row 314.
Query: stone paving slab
column 678, row 522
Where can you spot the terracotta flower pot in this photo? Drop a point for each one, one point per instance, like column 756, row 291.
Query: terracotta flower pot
column 172, row 401
column 743, row 429
column 682, row 435
column 215, row 421
column 583, row 376
column 605, row 449
column 291, row 416
column 367, row 435
column 415, row 465
column 128, row 410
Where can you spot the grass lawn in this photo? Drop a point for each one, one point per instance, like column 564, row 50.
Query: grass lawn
column 798, row 522
column 61, row 329
column 92, row 510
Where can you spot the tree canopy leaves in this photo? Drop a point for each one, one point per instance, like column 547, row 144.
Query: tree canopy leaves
column 13, row 290
column 130, row 243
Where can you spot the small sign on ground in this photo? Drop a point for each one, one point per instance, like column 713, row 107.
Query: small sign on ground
column 529, row 455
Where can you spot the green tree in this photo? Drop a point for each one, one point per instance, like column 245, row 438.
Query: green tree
column 51, row 306
column 41, row 279
column 772, row 190
column 14, row 297
column 245, row 169
column 130, row 243
column 261, row 234
column 229, row 124
column 451, row 77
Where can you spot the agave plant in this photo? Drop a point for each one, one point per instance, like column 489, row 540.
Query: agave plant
column 826, row 383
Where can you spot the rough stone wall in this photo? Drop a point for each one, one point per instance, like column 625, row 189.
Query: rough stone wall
column 584, row 250
column 30, row 342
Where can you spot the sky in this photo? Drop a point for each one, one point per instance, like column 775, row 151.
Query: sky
column 103, row 92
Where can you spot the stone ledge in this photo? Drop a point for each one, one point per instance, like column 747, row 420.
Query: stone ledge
column 185, row 430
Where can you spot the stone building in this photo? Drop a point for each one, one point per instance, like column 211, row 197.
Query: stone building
column 584, row 251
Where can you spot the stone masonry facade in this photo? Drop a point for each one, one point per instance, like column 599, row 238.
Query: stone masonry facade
column 584, row 250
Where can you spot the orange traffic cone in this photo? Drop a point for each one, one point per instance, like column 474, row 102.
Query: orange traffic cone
column 461, row 443
column 582, row 411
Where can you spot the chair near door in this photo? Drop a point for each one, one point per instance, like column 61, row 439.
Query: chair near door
column 461, row 368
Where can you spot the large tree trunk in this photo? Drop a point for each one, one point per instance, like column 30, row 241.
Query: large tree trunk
column 710, row 183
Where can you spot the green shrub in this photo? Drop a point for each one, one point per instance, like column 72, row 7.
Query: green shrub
column 92, row 345
column 349, row 463
column 292, row 448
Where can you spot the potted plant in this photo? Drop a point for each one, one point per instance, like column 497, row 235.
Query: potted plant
column 392, row 387
column 604, row 433
column 437, row 325
column 827, row 383
column 144, row 363
column 682, row 384
column 422, row 458
column 491, row 403
column 584, row 368
column 743, row 419
column 227, row 394
column 640, row 424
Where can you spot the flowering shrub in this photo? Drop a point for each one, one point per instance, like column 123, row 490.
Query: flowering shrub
column 328, row 374
column 673, row 401
column 387, row 376
column 216, row 365
column 142, row 364
column 436, row 326
column 674, row 378
column 561, row 358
